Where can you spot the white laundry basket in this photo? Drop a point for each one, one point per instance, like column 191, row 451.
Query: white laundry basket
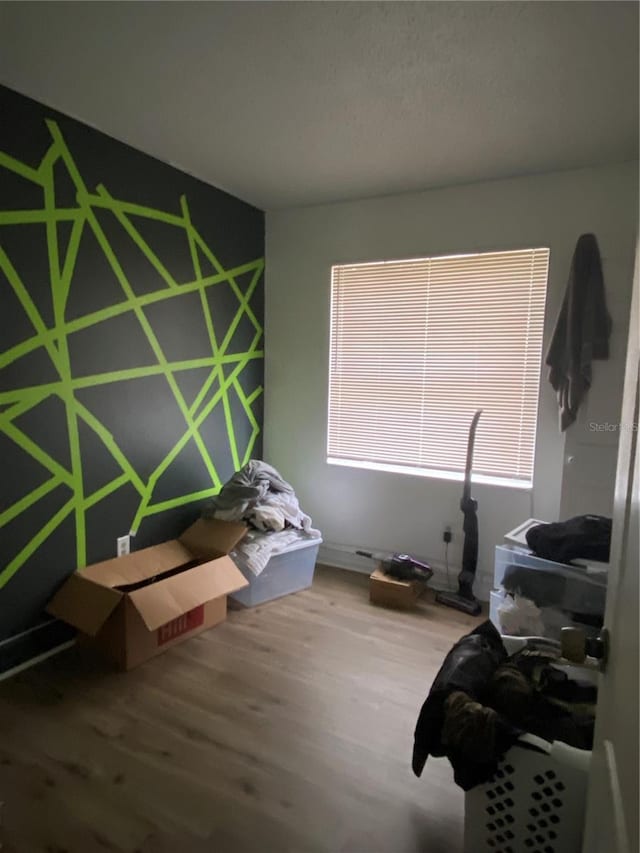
column 535, row 802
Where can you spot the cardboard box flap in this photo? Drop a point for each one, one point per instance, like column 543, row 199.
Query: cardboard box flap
column 166, row 600
column 139, row 565
column 211, row 537
column 84, row 604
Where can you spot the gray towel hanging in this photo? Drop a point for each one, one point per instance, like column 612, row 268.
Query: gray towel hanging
column 582, row 330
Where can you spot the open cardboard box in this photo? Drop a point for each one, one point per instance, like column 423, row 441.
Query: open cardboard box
column 137, row 606
column 391, row 592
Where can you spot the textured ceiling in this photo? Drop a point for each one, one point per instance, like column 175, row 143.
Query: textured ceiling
column 299, row 103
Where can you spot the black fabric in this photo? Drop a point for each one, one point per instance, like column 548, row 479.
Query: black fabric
column 557, row 685
column 551, row 721
column 582, row 330
column 544, row 588
column 468, row 667
column 583, row 536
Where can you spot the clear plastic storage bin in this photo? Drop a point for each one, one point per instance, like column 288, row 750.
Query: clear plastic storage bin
column 286, row 572
column 496, row 597
column 583, row 590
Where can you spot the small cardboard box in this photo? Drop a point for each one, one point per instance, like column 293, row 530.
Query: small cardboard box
column 137, row 606
column 389, row 592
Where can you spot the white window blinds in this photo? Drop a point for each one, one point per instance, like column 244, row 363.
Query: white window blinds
column 417, row 346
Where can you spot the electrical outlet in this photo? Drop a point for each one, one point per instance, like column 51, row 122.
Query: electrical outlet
column 123, row 545
column 447, row 536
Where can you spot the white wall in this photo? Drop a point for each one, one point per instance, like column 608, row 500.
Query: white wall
column 386, row 511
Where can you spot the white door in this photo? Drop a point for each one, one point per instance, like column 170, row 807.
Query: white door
column 612, row 807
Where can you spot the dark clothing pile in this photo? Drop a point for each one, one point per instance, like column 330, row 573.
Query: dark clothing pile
column 467, row 669
column 585, row 536
column 482, row 700
column 582, row 330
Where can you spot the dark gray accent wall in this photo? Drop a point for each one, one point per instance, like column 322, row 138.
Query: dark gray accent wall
column 131, row 371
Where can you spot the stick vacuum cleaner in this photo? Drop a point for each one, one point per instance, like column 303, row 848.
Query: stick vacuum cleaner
column 464, row 599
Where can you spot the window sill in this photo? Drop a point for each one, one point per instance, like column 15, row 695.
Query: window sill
column 432, row 473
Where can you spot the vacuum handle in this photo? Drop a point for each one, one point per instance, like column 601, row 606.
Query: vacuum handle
column 466, row 491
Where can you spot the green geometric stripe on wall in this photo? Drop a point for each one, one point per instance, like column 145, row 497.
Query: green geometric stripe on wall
column 223, row 365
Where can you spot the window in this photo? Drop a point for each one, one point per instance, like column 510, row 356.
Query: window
column 417, row 346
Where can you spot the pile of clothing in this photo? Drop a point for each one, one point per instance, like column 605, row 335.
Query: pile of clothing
column 483, row 700
column 259, row 496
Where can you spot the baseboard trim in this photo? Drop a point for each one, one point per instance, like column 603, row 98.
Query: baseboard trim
column 33, row 645
column 8, row 673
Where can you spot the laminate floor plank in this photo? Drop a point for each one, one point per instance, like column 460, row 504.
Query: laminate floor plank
column 287, row 729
